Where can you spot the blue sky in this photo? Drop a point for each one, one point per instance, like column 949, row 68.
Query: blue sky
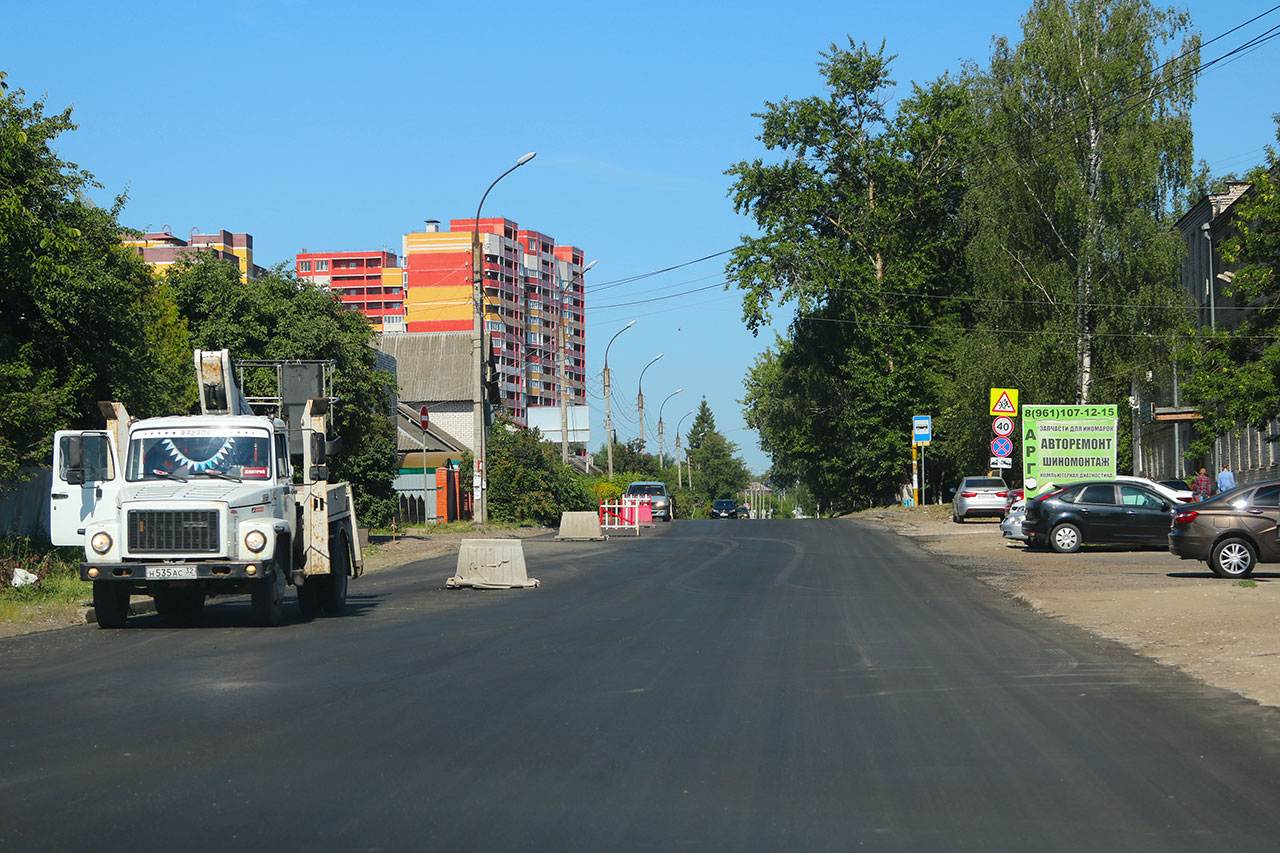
column 340, row 126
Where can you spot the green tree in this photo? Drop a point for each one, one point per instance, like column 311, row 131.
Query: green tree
column 527, row 481
column 629, row 456
column 1087, row 150
column 1237, row 373
column 76, row 306
column 277, row 316
column 704, row 421
column 859, row 229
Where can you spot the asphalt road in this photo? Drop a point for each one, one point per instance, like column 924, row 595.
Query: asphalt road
column 811, row 685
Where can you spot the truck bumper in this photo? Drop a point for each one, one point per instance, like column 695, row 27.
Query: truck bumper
column 134, row 572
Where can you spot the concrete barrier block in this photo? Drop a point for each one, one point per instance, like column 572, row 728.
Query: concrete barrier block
column 491, row 564
column 579, row 527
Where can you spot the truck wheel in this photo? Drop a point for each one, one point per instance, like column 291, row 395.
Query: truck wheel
column 110, row 604
column 268, row 600
column 309, row 598
column 333, row 587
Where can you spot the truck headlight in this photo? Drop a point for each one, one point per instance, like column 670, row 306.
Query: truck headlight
column 255, row 540
column 101, row 542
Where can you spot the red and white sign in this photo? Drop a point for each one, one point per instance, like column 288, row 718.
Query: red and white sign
column 424, row 419
column 1002, row 426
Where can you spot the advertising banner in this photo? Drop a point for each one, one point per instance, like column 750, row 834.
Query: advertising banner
column 1067, row 444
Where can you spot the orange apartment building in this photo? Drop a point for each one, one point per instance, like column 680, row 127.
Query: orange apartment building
column 161, row 249
column 531, row 286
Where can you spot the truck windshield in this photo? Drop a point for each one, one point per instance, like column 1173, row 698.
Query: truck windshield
column 160, row 454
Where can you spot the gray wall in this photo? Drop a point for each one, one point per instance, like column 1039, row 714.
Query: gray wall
column 24, row 507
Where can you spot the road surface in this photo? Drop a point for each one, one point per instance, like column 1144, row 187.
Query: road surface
column 790, row 685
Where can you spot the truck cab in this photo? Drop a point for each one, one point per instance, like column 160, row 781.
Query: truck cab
column 181, row 508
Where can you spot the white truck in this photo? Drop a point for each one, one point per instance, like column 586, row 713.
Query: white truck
column 183, row 508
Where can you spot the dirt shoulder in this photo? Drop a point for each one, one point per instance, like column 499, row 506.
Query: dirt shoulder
column 27, row 617
column 384, row 553
column 1164, row 608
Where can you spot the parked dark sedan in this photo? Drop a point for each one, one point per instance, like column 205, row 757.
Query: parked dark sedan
column 1098, row 513
column 1232, row 532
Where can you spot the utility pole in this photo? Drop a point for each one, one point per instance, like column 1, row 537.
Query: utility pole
column 608, row 397
column 661, row 433
column 640, row 400
column 480, row 508
column 679, row 466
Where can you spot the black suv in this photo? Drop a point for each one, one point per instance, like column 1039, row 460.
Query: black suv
column 1098, row 513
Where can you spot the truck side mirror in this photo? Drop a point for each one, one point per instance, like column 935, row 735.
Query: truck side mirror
column 333, row 446
column 319, row 472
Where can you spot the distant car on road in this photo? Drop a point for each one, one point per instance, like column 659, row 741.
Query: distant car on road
column 1232, row 531
column 724, row 509
column 744, row 511
column 1105, row 512
column 664, row 506
column 979, row 496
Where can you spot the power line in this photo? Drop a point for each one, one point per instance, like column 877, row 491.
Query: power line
column 656, row 298
column 605, row 285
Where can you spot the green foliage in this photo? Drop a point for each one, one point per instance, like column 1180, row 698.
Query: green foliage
column 1007, row 227
column 703, row 422
column 277, row 316
column 1237, row 374
column 629, row 456
column 78, row 309
column 527, row 481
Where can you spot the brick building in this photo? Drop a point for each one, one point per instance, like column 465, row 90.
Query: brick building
column 370, row 281
column 161, row 249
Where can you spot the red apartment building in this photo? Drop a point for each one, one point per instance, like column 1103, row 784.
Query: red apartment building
column 371, row 282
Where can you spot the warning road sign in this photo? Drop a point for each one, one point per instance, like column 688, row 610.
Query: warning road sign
column 1001, row 447
column 1004, row 401
column 1002, row 426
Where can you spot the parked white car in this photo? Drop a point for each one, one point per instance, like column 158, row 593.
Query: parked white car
column 1011, row 527
column 1174, row 496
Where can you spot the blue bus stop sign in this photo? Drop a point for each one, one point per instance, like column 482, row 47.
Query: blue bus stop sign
column 921, row 429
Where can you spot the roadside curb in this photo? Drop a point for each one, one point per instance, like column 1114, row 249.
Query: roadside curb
column 135, row 609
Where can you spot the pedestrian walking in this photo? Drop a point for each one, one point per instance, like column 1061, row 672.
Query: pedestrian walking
column 1226, row 479
column 1201, row 486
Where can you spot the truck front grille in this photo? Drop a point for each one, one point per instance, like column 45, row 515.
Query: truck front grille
column 170, row 531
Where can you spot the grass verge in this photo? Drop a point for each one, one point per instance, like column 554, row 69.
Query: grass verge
column 59, row 585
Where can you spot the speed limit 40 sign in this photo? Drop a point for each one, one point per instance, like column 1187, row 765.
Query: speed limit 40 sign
column 1002, row 426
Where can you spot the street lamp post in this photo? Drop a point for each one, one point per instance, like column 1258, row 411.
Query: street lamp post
column 640, row 399
column 679, row 468
column 608, row 397
column 564, row 375
column 661, row 437
column 479, row 477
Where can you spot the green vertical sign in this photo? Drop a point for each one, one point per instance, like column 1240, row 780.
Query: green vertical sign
column 1067, row 444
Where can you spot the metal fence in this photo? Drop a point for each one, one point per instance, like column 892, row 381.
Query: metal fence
column 24, row 506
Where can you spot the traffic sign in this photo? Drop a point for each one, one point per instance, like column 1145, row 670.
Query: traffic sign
column 1002, row 426
column 1000, row 462
column 922, row 429
column 1004, row 401
column 424, row 419
column 1001, row 447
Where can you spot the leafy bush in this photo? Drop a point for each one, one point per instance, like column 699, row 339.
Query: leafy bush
column 527, row 481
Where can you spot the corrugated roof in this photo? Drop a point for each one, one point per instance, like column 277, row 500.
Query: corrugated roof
column 431, row 367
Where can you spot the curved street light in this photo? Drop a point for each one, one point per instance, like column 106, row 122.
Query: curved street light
column 679, row 469
column 662, row 443
column 640, row 398
column 479, row 477
column 608, row 396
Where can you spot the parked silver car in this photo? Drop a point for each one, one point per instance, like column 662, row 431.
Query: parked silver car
column 979, row 496
column 1011, row 527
